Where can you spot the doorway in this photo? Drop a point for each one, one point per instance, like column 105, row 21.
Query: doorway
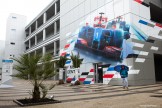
column 99, row 71
column 64, row 75
column 100, row 75
column 158, row 67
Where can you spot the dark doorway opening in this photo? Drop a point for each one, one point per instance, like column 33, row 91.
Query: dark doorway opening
column 99, row 71
column 158, row 67
column 155, row 12
column 100, row 75
column 64, row 75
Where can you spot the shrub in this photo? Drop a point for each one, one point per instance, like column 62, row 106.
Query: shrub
column 38, row 69
column 60, row 82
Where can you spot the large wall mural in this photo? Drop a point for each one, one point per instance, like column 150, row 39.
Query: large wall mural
column 105, row 38
column 106, row 41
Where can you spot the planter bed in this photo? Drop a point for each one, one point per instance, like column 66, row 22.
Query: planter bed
column 30, row 102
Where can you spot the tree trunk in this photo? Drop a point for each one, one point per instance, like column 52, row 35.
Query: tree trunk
column 36, row 92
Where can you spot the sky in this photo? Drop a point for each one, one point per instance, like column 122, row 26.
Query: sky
column 29, row 8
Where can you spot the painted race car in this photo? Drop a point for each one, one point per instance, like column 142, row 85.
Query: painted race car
column 106, row 40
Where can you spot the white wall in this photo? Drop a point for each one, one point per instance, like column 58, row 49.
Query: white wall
column 75, row 14
column 2, row 47
column 15, row 32
column 147, row 70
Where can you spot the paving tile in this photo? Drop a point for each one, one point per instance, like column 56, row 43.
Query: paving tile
column 88, row 96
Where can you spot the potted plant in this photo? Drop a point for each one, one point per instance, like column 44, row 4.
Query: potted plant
column 76, row 64
column 60, row 64
column 37, row 69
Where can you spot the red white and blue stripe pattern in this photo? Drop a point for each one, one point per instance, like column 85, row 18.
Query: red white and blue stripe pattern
column 66, row 46
column 68, row 62
column 85, row 77
column 108, row 75
column 89, row 78
column 66, row 51
column 73, row 80
column 150, row 24
column 146, row 23
column 158, row 25
column 142, row 2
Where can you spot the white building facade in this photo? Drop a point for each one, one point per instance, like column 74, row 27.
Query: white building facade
column 14, row 44
column 12, row 47
column 2, row 49
column 42, row 33
column 108, row 33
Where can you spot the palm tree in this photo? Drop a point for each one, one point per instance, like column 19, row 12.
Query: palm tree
column 76, row 60
column 38, row 69
column 60, row 67
column 61, row 62
column 76, row 64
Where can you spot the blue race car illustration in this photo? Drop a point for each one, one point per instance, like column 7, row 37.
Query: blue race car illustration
column 105, row 40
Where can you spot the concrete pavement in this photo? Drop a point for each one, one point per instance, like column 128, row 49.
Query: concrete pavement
column 88, row 96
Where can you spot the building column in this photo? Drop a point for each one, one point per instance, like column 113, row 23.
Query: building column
column 35, row 39
column 29, row 30
column 44, row 34
column 44, row 17
column 44, row 51
column 55, row 8
column 29, row 43
column 36, row 25
column 54, row 49
column 55, row 28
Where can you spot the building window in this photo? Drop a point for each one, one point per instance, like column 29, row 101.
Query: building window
column 155, row 12
column 12, row 55
column 13, row 29
column 58, row 25
column 13, row 17
column 12, row 43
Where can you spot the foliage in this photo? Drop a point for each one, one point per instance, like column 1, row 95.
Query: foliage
column 76, row 60
column 61, row 62
column 37, row 69
column 45, row 89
